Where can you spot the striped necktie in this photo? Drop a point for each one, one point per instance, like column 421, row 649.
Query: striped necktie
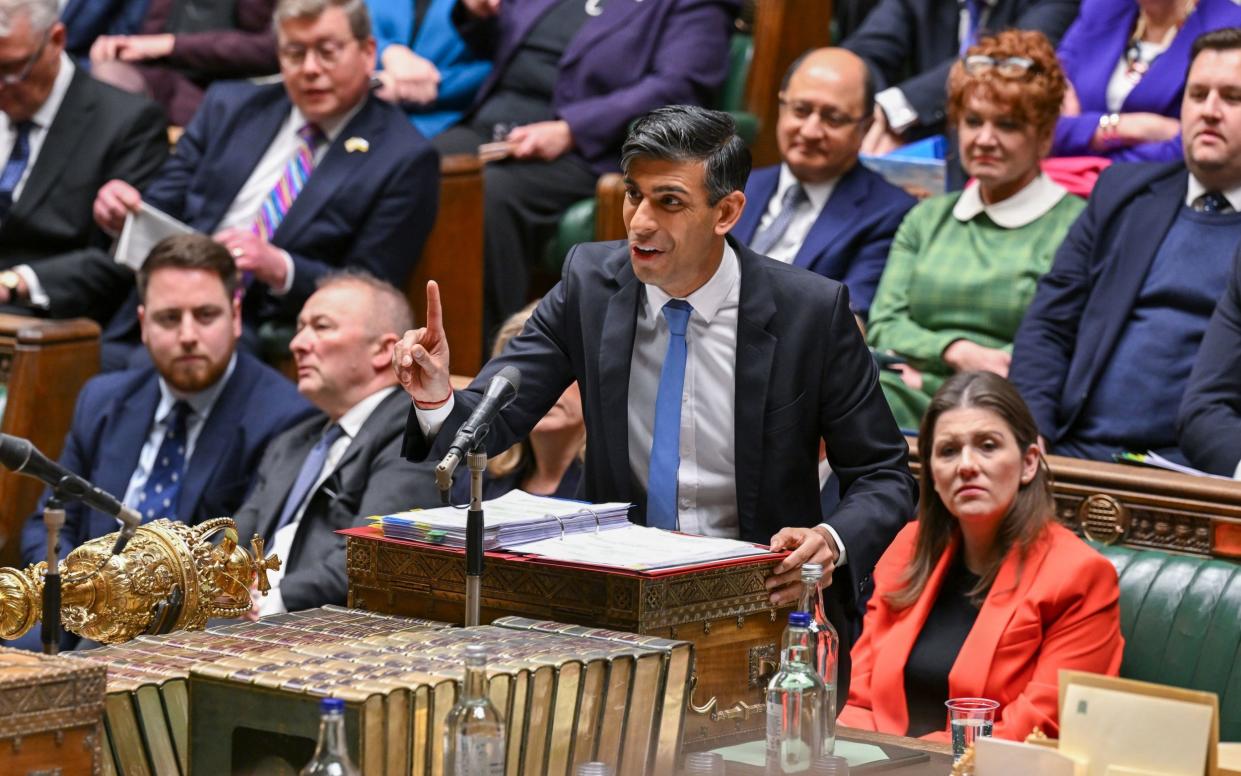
column 295, row 175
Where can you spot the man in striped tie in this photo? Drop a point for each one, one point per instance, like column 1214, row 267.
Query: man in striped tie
column 300, row 178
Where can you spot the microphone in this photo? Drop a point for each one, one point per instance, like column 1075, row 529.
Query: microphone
column 500, row 393
column 19, row 455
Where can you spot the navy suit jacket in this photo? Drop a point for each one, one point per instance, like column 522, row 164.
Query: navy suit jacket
column 900, row 37
column 111, row 423
column 366, row 209
column 1066, row 339
column 1209, row 425
column 803, row 373
column 850, row 239
column 632, row 58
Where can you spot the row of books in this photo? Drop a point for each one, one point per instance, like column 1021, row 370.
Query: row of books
column 243, row 698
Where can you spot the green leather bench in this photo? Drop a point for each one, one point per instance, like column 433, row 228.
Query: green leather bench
column 1181, row 619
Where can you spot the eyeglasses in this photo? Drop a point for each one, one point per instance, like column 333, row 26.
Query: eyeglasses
column 12, row 79
column 802, row 111
column 327, row 53
column 1008, row 67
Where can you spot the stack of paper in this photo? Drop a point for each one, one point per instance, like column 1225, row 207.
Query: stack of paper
column 640, row 549
column 513, row 519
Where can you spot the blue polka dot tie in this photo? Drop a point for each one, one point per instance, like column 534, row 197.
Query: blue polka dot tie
column 163, row 486
column 11, row 175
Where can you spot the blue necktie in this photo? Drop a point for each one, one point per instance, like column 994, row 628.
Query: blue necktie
column 661, row 480
column 312, row 467
column 13, row 169
column 765, row 240
column 163, row 486
column 1213, row 202
column 974, row 14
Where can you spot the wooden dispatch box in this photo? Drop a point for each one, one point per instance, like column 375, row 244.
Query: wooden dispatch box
column 722, row 608
column 51, row 714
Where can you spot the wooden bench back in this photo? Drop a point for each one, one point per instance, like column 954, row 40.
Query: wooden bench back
column 43, row 365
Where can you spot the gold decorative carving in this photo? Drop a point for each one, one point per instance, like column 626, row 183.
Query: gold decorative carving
column 171, row 576
column 1103, row 518
column 764, row 663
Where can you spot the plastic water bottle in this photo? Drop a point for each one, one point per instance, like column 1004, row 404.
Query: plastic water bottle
column 829, row 765
column 826, row 644
column 594, row 768
column 703, row 764
column 331, row 753
column 795, row 704
column 474, row 731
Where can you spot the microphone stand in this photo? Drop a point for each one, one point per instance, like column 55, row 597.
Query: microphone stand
column 476, row 460
column 53, row 521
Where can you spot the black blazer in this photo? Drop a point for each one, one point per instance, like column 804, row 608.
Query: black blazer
column 1209, row 425
column 99, row 133
column 912, row 44
column 371, row 479
column 803, row 373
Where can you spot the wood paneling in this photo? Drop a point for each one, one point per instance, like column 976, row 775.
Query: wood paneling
column 453, row 257
column 47, row 364
column 610, row 199
column 783, row 29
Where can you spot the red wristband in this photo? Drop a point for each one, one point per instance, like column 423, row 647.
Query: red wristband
column 435, row 405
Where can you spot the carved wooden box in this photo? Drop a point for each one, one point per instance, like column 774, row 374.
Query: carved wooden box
column 51, row 715
column 723, row 609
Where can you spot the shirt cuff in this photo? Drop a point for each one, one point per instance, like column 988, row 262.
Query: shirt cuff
column 1236, row 473
column 844, row 558
column 900, row 114
column 36, row 295
column 288, row 275
column 272, row 603
column 430, row 421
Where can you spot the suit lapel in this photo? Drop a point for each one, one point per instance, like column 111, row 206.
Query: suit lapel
column 619, row 325
column 526, row 15
column 215, row 442
column 762, row 188
column 842, row 209
column 122, row 445
column 756, row 349
column 69, row 129
column 330, row 174
column 285, row 470
column 893, row 651
column 616, row 14
column 242, row 152
column 1122, row 278
column 968, row 677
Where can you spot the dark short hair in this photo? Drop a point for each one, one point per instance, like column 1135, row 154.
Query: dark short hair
column 189, row 251
column 687, row 133
column 1224, row 39
column 868, row 81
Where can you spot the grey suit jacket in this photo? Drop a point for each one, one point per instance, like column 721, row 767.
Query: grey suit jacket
column 372, row 478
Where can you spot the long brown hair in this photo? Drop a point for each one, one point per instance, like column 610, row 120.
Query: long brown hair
column 1027, row 516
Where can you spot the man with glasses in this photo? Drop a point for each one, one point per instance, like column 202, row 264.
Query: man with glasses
column 62, row 135
column 1104, row 353
column 819, row 208
column 295, row 179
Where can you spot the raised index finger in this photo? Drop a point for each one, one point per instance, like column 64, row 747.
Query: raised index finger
column 435, row 314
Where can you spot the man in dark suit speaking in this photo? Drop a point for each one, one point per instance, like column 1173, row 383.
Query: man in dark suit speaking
column 708, row 373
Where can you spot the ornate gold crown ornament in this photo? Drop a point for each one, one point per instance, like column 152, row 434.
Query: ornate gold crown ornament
column 170, row 577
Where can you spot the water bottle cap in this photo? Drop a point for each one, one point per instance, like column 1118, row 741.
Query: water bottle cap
column 812, row 570
column 594, row 768
column 830, row 765
column 704, row 764
column 476, row 650
column 799, row 619
column 331, row 706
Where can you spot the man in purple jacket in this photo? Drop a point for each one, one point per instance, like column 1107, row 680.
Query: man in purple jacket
column 568, row 78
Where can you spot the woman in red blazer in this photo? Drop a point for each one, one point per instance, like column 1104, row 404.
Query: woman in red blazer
column 986, row 595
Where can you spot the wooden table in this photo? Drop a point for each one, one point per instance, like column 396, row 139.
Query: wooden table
column 939, row 764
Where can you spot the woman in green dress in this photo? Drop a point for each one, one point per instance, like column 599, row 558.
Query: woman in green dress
column 963, row 266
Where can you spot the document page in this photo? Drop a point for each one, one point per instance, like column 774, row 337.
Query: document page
column 639, row 548
column 141, row 232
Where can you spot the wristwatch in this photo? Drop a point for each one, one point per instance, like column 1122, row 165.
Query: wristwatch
column 10, row 280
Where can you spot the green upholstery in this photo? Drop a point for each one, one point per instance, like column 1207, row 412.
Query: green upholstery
column 274, row 339
column 577, row 225
column 1181, row 619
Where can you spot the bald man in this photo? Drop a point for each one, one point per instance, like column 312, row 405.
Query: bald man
column 819, row 208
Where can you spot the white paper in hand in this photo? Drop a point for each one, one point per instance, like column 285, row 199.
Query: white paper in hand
column 141, row 232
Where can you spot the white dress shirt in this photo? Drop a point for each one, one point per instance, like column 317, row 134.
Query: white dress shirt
column 707, row 475
column 1195, row 189
column 42, row 122
column 787, row 247
column 350, row 423
column 201, row 404
column 244, row 210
